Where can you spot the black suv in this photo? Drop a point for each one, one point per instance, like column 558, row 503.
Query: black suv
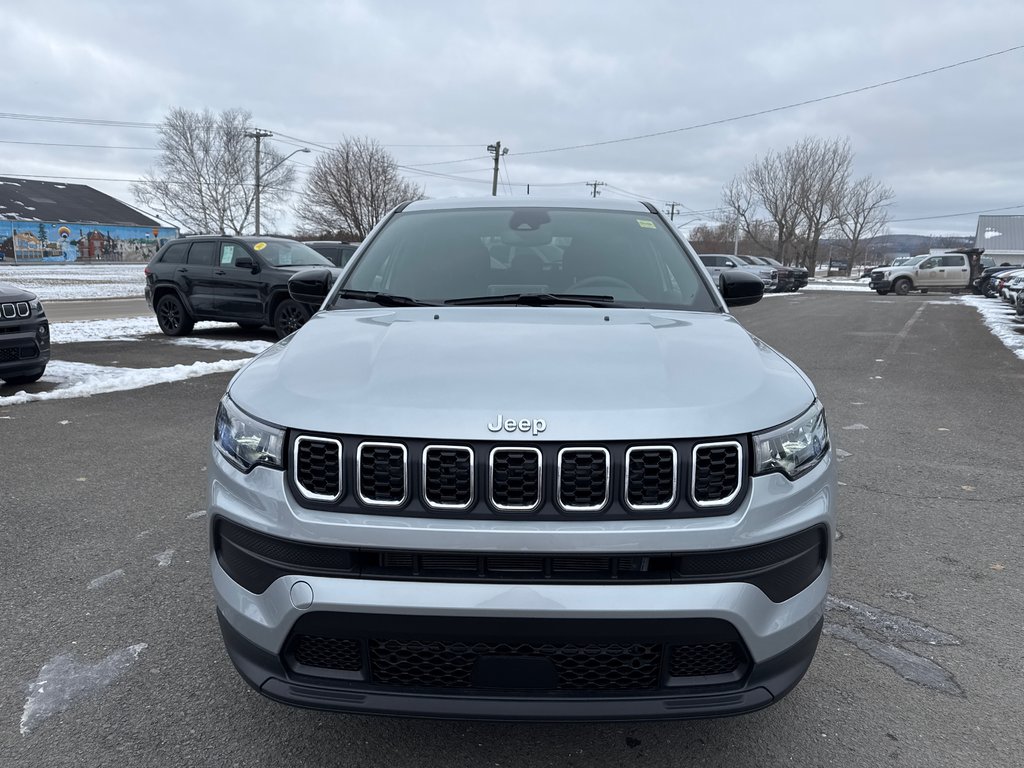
column 338, row 251
column 24, row 336
column 240, row 280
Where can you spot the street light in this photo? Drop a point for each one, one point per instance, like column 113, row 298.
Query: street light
column 259, row 176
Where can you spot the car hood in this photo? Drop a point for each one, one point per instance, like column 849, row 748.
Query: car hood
column 589, row 374
column 10, row 292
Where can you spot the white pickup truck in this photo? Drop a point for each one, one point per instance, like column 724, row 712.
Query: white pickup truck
column 941, row 272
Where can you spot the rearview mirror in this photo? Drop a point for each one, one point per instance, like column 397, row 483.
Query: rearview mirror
column 246, row 262
column 740, row 288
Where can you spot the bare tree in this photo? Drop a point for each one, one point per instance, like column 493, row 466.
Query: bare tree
column 352, row 187
column 821, row 172
column 205, row 177
column 767, row 185
column 802, row 194
column 865, row 212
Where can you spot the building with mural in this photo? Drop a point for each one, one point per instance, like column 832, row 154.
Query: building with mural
column 45, row 221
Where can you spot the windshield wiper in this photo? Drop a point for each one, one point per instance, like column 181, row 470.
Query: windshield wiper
column 384, row 299
column 537, row 299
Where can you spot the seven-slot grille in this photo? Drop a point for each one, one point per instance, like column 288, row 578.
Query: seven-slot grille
column 318, row 467
column 448, row 476
column 651, row 477
column 515, row 479
column 382, row 474
column 10, row 310
column 716, row 473
column 584, row 480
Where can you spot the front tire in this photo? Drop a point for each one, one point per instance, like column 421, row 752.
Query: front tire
column 172, row 317
column 289, row 317
column 902, row 287
column 880, row 292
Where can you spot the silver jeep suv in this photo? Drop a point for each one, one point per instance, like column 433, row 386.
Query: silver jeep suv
column 522, row 464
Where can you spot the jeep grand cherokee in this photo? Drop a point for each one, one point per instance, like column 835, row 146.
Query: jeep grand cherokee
column 523, row 464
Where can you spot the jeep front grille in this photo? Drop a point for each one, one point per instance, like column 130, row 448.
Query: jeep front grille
column 318, row 467
column 716, row 473
column 382, row 470
column 584, row 479
column 416, row 477
column 448, row 472
column 23, row 352
column 515, row 479
column 10, row 310
column 651, row 477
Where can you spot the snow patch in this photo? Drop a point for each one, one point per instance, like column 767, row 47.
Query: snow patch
column 62, row 679
column 85, row 379
column 999, row 319
column 106, row 578
column 163, row 559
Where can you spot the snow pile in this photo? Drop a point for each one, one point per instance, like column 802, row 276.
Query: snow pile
column 1001, row 320
column 77, row 281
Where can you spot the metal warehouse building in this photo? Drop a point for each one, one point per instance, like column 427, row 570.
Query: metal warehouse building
column 1002, row 237
column 45, row 221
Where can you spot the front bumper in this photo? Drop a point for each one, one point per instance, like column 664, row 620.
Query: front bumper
column 760, row 685
column 880, row 285
column 776, row 639
column 24, row 347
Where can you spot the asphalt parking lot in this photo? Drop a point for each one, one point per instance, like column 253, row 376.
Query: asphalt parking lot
column 109, row 611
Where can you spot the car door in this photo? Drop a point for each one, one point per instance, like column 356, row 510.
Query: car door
column 240, row 286
column 929, row 273
column 196, row 279
column 956, row 272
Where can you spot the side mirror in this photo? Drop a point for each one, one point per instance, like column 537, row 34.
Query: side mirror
column 740, row 288
column 311, row 286
column 729, row 264
column 247, row 262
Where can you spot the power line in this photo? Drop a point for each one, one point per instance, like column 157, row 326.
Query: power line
column 954, row 215
column 771, row 110
column 76, row 120
column 82, row 146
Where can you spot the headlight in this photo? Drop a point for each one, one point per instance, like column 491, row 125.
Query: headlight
column 793, row 448
column 35, row 305
column 245, row 441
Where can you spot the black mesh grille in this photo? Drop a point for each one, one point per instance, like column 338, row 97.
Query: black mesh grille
column 583, row 478
column 651, row 477
column 11, row 310
column 318, row 466
column 515, row 478
column 705, row 659
column 382, row 473
column 448, row 477
column 10, row 354
column 716, row 472
column 518, row 568
column 576, row 667
column 343, row 654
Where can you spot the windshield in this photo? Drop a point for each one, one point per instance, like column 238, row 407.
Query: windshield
column 287, row 253
column 911, row 262
column 624, row 258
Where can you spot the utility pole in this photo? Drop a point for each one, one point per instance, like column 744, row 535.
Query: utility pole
column 496, row 150
column 259, row 135
column 594, row 185
column 671, row 211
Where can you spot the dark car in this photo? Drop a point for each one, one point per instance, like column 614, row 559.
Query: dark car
column 800, row 274
column 24, row 336
column 240, row 280
column 338, row 251
column 985, row 283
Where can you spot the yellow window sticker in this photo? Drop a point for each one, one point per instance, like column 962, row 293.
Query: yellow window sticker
column 646, row 223
column 259, row 246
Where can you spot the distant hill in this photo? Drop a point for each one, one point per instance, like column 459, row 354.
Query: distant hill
column 896, row 243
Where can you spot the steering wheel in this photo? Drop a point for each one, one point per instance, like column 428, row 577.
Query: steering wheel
column 612, row 282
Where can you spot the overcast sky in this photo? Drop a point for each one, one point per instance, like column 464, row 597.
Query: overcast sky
column 436, row 82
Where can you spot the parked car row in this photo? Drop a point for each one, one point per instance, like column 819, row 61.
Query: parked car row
column 988, row 282
column 775, row 275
